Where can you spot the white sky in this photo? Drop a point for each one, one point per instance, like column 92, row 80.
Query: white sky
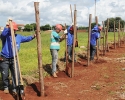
column 58, row 11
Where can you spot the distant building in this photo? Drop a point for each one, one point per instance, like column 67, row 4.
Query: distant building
column 21, row 26
column 1, row 29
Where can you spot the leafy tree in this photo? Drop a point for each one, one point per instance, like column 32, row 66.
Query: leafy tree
column 33, row 26
column 45, row 27
column 93, row 24
column 28, row 27
column 19, row 28
column 111, row 22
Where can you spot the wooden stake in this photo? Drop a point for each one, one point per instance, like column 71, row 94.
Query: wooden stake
column 119, row 34
column 36, row 5
column 67, row 56
column 107, row 35
column 89, row 33
column 114, row 37
column 73, row 55
column 71, row 13
column 103, row 38
column 97, row 41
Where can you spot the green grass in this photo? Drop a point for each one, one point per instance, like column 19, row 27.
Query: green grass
column 28, row 51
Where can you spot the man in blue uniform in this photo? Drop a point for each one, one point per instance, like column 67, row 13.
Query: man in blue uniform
column 7, row 57
column 95, row 34
column 70, row 37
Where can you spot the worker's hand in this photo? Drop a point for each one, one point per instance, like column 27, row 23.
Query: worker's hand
column 7, row 24
column 10, row 19
column 65, row 32
column 34, row 35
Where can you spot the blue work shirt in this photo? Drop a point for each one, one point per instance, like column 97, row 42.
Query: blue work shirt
column 70, row 37
column 7, row 48
column 94, row 35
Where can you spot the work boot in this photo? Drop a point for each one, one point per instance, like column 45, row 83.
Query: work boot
column 54, row 75
column 6, row 91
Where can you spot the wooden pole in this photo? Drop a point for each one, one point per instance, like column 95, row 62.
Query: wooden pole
column 124, row 34
column 89, row 33
column 71, row 12
column 119, row 34
column 95, row 7
column 67, row 56
column 103, row 38
column 73, row 55
column 14, row 54
column 107, row 48
column 114, row 36
column 41, row 81
column 76, row 21
column 97, row 43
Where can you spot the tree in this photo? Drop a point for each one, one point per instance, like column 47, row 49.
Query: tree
column 33, row 26
column 46, row 27
column 111, row 22
column 93, row 24
column 28, row 27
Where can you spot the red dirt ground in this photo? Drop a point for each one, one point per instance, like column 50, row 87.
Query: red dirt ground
column 102, row 80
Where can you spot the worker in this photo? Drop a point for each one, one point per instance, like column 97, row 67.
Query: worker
column 7, row 56
column 95, row 34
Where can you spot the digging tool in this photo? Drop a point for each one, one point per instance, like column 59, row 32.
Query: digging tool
column 20, row 87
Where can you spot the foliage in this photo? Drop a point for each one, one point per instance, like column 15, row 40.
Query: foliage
column 116, row 20
column 28, row 51
column 93, row 24
column 19, row 28
column 28, row 27
column 46, row 27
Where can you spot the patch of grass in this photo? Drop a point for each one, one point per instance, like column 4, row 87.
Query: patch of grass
column 96, row 87
column 28, row 51
column 111, row 92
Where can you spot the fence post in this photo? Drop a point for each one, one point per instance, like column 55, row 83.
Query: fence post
column 119, row 33
column 103, row 38
column 107, row 34
column 73, row 55
column 89, row 33
column 36, row 5
column 114, row 36
column 97, row 43
column 67, row 56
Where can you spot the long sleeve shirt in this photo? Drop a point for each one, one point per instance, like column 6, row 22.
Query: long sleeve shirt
column 55, row 41
column 7, row 48
column 94, row 35
column 70, row 37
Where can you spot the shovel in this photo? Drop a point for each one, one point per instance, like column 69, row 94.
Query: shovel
column 20, row 87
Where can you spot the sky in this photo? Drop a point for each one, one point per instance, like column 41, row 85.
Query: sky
column 58, row 11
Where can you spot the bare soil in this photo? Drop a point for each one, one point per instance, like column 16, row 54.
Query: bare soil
column 103, row 79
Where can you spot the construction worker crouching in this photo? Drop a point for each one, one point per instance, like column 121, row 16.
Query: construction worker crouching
column 7, row 56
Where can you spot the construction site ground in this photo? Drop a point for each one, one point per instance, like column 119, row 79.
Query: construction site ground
column 103, row 79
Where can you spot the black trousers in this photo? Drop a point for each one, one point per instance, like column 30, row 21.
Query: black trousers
column 92, row 51
column 5, row 66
